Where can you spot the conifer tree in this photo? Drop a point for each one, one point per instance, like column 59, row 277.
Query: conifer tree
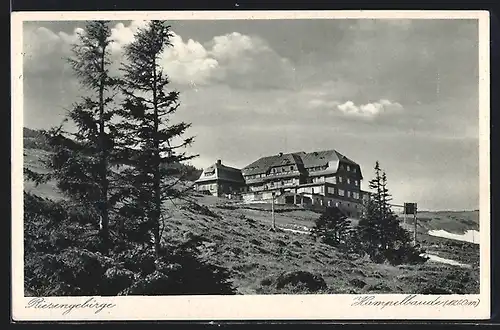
column 379, row 227
column 148, row 138
column 80, row 162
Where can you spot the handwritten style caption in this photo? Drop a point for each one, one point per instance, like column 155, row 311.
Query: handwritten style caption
column 413, row 300
column 90, row 303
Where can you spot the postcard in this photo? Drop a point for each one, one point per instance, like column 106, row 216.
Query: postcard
column 250, row 165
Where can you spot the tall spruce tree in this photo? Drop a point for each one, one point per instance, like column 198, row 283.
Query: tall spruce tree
column 148, row 139
column 80, row 162
column 379, row 227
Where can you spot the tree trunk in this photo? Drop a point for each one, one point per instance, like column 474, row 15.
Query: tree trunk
column 156, row 178
column 104, row 225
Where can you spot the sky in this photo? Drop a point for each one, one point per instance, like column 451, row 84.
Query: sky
column 403, row 92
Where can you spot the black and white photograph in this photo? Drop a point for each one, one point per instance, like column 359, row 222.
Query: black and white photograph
column 164, row 157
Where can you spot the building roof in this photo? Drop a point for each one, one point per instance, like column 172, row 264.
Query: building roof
column 301, row 159
column 221, row 172
column 320, row 158
column 264, row 164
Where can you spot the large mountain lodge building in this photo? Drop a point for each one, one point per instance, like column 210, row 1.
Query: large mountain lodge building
column 322, row 178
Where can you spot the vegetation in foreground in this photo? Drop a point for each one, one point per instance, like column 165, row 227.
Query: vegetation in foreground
column 255, row 258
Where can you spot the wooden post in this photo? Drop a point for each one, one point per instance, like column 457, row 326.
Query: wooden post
column 272, row 210
column 415, row 227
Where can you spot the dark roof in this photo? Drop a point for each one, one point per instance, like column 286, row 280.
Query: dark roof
column 320, row 158
column 223, row 172
column 264, row 164
column 301, row 159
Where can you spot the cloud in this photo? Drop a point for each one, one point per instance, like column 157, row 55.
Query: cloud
column 45, row 51
column 233, row 58
column 233, row 45
column 369, row 110
column 186, row 62
column 249, row 62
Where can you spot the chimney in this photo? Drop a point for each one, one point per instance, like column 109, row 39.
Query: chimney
column 280, row 154
column 219, row 162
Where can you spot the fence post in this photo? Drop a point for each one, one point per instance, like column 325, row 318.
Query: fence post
column 272, row 210
column 415, row 227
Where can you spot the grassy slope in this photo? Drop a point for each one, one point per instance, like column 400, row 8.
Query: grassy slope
column 239, row 238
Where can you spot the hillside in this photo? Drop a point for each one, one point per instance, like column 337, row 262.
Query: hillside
column 452, row 221
column 36, row 145
column 238, row 237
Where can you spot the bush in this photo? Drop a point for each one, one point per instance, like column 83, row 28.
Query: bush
column 301, row 281
column 405, row 254
column 332, row 227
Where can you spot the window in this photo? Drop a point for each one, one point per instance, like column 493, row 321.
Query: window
column 341, row 192
column 331, row 190
column 354, row 169
column 348, row 181
column 340, row 179
column 356, row 182
column 348, row 168
column 348, row 194
column 292, row 168
column 331, row 179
